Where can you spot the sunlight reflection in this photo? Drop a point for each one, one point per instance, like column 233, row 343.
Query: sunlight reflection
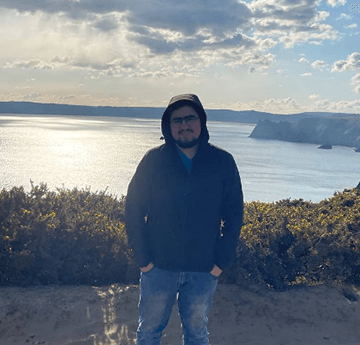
column 116, row 332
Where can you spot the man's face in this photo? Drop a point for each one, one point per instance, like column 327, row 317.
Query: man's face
column 185, row 132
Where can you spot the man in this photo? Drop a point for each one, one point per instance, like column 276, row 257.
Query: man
column 183, row 216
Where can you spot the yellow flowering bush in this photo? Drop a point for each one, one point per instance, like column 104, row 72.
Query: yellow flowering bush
column 78, row 237
column 292, row 242
column 63, row 237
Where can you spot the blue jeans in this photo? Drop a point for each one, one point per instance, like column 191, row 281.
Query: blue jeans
column 158, row 292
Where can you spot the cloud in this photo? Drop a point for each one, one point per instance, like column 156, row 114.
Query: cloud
column 193, row 26
column 61, row 60
column 63, row 99
column 291, row 105
column 307, row 74
column 320, row 64
column 344, row 16
column 335, row 3
column 73, row 8
column 106, row 24
column 173, row 43
column 313, row 96
column 351, row 26
column 148, row 36
column 340, row 106
column 189, row 17
column 303, row 60
column 287, row 105
column 32, row 96
column 293, row 22
column 355, row 79
column 352, row 62
column 54, row 63
column 34, row 64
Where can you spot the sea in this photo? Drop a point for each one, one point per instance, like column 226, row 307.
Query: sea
column 101, row 154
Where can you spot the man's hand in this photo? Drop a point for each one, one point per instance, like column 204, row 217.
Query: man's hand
column 148, row 268
column 216, row 271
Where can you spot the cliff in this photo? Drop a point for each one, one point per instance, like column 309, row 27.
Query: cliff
column 315, row 130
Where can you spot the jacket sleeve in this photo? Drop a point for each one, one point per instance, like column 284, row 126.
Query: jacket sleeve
column 136, row 210
column 231, row 216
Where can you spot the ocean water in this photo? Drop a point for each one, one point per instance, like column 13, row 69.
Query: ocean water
column 102, row 153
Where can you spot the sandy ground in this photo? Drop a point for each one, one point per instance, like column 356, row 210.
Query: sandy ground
column 108, row 315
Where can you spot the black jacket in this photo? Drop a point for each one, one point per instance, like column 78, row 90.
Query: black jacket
column 185, row 221
column 180, row 220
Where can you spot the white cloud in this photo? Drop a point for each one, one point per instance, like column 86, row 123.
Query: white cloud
column 292, row 22
column 320, row 64
column 272, row 105
column 245, row 58
column 351, row 26
column 290, row 105
column 340, row 106
column 313, row 96
column 307, row 74
column 129, row 43
column 303, row 60
column 352, row 62
column 32, row 96
column 334, row 3
column 183, row 26
column 344, row 16
column 355, row 79
column 35, row 64
column 314, row 34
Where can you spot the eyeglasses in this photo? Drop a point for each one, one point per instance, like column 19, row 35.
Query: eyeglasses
column 189, row 120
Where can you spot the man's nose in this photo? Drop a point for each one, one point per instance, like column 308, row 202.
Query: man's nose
column 184, row 124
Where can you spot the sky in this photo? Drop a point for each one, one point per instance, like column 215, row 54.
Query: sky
column 277, row 56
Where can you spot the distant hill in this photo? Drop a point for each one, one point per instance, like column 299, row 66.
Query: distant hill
column 326, row 131
column 226, row 115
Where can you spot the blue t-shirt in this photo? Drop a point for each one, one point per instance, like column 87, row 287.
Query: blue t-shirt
column 186, row 160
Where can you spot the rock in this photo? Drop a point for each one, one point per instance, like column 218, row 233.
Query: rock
column 313, row 130
column 325, row 146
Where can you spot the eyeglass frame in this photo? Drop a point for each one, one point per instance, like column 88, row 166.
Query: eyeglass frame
column 189, row 120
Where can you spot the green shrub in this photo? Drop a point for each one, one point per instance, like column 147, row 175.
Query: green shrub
column 294, row 242
column 64, row 237
column 78, row 237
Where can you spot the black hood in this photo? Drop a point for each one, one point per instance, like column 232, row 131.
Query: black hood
column 180, row 101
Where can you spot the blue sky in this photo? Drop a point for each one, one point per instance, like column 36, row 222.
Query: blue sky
column 279, row 56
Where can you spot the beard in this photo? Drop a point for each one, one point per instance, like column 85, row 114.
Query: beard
column 187, row 144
